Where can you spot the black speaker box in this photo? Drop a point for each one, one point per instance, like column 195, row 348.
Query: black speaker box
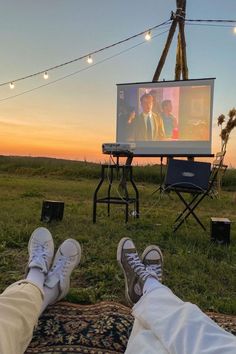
column 52, row 210
column 220, row 230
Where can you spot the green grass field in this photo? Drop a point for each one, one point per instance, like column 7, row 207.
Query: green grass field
column 195, row 269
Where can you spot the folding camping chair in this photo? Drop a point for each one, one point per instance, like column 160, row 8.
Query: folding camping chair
column 195, row 178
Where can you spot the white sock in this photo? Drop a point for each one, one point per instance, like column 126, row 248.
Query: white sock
column 36, row 276
column 150, row 284
column 50, row 296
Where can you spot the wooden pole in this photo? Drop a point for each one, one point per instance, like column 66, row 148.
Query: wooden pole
column 181, row 56
column 184, row 66
column 165, row 50
column 178, row 63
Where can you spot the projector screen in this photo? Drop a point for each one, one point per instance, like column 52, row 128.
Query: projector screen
column 166, row 118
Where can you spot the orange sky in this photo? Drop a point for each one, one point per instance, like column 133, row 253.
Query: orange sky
column 74, row 143
column 76, row 132
column 72, row 118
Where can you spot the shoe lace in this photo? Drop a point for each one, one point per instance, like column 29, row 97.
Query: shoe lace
column 61, row 266
column 137, row 266
column 156, row 268
column 40, row 253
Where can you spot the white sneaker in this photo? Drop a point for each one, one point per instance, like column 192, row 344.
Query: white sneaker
column 66, row 259
column 41, row 250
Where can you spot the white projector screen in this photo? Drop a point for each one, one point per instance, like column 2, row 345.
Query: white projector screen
column 166, row 118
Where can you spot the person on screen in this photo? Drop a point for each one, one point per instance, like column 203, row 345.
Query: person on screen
column 169, row 121
column 148, row 126
column 156, row 104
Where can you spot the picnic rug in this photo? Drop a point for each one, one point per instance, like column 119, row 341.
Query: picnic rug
column 103, row 328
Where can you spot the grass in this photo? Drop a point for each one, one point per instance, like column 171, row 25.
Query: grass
column 47, row 167
column 195, row 269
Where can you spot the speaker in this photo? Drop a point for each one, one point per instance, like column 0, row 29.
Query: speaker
column 220, row 230
column 52, row 210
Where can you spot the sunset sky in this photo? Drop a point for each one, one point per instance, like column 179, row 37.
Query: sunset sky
column 73, row 117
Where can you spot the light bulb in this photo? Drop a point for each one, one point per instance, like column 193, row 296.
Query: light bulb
column 148, row 36
column 90, row 59
column 235, row 30
column 45, row 75
column 12, row 85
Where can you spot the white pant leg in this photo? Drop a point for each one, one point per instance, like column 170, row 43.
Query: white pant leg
column 181, row 327
column 143, row 341
column 20, row 306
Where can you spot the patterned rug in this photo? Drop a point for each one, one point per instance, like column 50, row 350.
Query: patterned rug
column 103, row 328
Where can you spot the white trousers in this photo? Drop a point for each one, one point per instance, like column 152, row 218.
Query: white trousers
column 165, row 324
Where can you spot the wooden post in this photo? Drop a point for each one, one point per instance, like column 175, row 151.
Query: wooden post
column 183, row 42
column 165, row 50
column 178, row 63
column 181, row 56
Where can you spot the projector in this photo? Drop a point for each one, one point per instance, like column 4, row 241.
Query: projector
column 110, row 148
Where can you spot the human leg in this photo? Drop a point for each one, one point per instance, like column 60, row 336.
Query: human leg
column 21, row 302
column 141, row 339
column 136, row 272
column 57, row 282
column 181, row 326
column 164, row 323
column 19, row 310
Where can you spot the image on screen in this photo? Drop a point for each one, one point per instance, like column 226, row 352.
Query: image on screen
column 166, row 117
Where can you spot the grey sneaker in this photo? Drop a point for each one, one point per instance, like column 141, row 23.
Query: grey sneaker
column 41, row 250
column 134, row 270
column 152, row 258
column 66, row 259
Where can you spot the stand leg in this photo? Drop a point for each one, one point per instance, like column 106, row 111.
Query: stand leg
column 126, row 176
column 109, row 190
column 136, row 193
column 126, row 212
column 95, row 195
column 94, row 211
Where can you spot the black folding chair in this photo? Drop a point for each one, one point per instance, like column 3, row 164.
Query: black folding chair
column 195, row 178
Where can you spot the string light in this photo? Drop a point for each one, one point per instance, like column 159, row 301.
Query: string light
column 79, row 71
column 45, row 75
column 90, row 59
column 146, row 33
column 167, row 22
column 148, row 36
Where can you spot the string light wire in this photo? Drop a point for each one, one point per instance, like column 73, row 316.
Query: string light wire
column 88, row 54
column 81, row 70
column 209, row 25
column 201, row 20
